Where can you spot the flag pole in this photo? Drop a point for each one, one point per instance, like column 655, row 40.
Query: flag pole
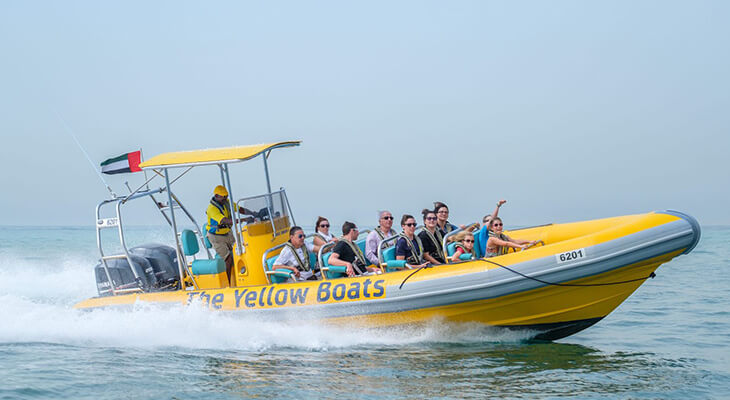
column 70, row 132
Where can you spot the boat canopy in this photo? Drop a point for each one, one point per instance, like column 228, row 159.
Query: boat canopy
column 222, row 155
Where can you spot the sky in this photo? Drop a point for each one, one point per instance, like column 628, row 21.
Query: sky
column 569, row 110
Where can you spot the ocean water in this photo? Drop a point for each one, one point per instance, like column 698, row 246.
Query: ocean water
column 671, row 339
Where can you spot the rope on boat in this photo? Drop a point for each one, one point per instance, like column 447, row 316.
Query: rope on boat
column 651, row 275
column 413, row 273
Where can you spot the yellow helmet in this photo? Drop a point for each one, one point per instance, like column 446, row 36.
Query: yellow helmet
column 220, row 191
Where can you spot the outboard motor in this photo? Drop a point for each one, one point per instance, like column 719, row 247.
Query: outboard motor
column 122, row 275
column 164, row 263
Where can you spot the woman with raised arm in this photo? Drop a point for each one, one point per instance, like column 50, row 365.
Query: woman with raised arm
column 431, row 239
column 322, row 234
column 498, row 241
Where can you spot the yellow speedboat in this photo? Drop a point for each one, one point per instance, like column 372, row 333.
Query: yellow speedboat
column 579, row 274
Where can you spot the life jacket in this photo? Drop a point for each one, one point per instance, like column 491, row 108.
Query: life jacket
column 437, row 240
column 416, row 256
column 500, row 249
column 464, row 250
column 382, row 237
column 359, row 257
column 303, row 264
column 321, row 236
column 215, row 213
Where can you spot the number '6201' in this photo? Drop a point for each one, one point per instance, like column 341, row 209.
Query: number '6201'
column 571, row 255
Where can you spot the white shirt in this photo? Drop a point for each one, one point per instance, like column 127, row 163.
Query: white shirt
column 286, row 257
column 327, row 238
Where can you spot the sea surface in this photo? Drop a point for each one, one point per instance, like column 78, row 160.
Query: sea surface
column 670, row 340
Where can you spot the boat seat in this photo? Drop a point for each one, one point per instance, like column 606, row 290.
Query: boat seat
column 451, row 249
column 200, row 267
column 332, row 271
column 391, row 264
column 281, row 276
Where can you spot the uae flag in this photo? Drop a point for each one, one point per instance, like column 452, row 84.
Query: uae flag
column 125, row 163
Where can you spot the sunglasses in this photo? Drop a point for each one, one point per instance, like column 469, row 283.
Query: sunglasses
column 300, row 236
column 412, row 224
column 431, row 218
column 443, row 212
column 468, row 241
column 496, row 224
column 324, row 225
column 390, row 217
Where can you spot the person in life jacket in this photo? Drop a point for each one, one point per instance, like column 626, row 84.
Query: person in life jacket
column 442, row 213
column 218, row 225
column 464, row 245
column 498, row 243
column 322, row 234
column 485, row 232
column 409, row 246
column 348, row 254
column 432, row 239
column 375, row 238
column 294, row 256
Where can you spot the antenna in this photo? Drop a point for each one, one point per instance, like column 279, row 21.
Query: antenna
column 70, row 132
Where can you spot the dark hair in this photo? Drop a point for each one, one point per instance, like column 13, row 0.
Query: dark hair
column 405, row 218
column 437, row 205
column 319, row 221
column 491, row 223
column 294, row 229
column 426, row 211
column 347, row 227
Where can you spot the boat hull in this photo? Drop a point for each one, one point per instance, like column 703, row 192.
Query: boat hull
column 533, row 290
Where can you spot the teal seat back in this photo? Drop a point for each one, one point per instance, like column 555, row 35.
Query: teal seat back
column 270, row 262
column 189, row 242
column 207, row 242
column 389, row 254
column 331, row 274
column 451, row 248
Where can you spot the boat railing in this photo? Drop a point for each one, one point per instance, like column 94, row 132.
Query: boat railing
column 382, row 247
column 118, row 223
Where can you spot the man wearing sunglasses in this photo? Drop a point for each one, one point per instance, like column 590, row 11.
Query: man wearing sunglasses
column 347, row 254
column 383, row 231
column 294, row 256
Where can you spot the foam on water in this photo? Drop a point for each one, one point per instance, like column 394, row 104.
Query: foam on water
column 37, row 304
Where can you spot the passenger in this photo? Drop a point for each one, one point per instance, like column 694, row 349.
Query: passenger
column 499, row 241
column 409, row 246
column 432, row 239
column 295, row 256
column 347, row 254
column 383, row 231
column 218, row 227
column 464, row 245
column 485, row 232
column 322, row 234
column 442, row 213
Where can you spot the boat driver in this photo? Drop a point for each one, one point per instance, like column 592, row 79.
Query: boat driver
column 348, row 254
column 218, row 227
